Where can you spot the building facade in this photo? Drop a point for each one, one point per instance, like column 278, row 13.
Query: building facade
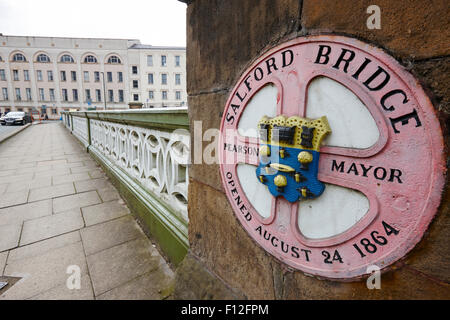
column 157, row 75
column 54, row 74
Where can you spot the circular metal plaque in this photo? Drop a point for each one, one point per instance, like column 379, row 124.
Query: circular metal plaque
column 331, row 156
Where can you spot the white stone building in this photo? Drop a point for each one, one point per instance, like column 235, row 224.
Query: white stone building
column 50, row 74
column 157, row 75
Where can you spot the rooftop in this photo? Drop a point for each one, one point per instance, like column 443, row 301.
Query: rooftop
column 150, row 47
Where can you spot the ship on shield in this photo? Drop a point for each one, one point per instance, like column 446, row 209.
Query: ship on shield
column 289, row 156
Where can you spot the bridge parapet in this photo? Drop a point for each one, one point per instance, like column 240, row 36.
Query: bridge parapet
column 146, row 155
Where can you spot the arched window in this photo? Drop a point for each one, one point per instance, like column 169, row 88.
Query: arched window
column 67, row 58
column 18, row 57
column 42, row 58
column 114, row 60
column 90, row 59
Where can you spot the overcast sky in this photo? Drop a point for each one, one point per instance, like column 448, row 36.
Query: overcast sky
column 155, row 22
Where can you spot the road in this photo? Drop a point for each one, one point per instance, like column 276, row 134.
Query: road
column 6, row 130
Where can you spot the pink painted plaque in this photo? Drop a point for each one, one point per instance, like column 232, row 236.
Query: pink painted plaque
column 400, row 175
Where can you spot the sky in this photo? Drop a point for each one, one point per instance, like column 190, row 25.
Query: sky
column 153, row 22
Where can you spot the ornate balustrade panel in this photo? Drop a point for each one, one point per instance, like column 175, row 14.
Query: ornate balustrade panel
column 80, row 129
column 156, row 159
column 146, row 155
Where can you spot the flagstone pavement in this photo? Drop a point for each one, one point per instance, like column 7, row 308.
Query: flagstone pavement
column 61, row 217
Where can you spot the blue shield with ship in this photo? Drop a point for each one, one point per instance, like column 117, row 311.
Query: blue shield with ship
column 289, row 156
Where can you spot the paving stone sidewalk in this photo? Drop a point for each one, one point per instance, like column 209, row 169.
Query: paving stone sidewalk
column 59, row 213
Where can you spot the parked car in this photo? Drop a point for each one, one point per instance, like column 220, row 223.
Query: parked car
column 16, row 117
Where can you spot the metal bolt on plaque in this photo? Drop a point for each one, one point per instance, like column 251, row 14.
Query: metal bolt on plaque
column 333, row 183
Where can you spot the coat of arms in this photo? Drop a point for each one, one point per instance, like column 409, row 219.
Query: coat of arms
column 289, row 156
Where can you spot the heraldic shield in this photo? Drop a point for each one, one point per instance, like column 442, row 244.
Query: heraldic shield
column 289, row 156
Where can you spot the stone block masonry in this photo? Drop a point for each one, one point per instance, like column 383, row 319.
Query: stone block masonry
column 224, row 38
column 58, row 209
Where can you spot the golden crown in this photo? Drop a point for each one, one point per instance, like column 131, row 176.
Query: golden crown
column 294, row 131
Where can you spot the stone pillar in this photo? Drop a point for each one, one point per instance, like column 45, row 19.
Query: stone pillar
column 223, row 39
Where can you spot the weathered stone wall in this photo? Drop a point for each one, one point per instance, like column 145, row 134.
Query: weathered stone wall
column 223, row 38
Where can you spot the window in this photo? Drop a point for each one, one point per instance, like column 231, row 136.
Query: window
column 54, row 111
column 163, row 61
column 177, row 95
column 43, row 58
column 67, row 58
column 119, row 76
column 150, row 61
column 75, row 94
column 73, row 75
column 16, row 75
column 65, row 97
column 177, row 61
column 151, row 95
column 135, row 84
column 41, row 95
column 39, row 75
column 163, row 78
column 18, row 57
column 90, row 59
column 88, row 95
column 120, row 95
column 98, row 95
column 111, row 96
column 50, row 75
column 177, row 78
column 164, row 95
column 150, row 78
column 114, row 60
column 134, row 70
column 86, row 76
column 18, row 95
column 52, row 94
column 135, row 97
column 28, row 92
column 63, row 76
column 96, row 76
column 109, row 76
column 2, row 75
column 5, row 93
column 26, row 75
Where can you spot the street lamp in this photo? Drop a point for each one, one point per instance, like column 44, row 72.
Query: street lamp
column 104, row 87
